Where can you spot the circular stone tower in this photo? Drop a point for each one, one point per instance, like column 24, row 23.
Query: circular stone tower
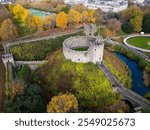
column 94, row 53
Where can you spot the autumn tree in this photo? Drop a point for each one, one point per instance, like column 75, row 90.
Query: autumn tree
column 137, row 23
column 10, row 7
column 74, row 17
column 8, row 30
column 49, row 21
column 108, row 32
column 84, row 16
column 114, row 25
column 63, row 103
column 61, row 20
column 98, row 15
column 24, row 16
column 16, row 87
column 91, row 15
column 37, row 23
column 18, row 11
column 134, row 15
column 31, row 101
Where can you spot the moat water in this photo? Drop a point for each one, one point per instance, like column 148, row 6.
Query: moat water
column 136, row 76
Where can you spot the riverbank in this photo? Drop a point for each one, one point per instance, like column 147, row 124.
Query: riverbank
column 142, row 63
column 136, row 75
column 2, row 81
column 118, row 68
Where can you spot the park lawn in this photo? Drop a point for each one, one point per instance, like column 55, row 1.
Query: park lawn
column 140, row 42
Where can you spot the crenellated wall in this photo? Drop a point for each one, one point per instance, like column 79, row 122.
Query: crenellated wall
column 93, row 54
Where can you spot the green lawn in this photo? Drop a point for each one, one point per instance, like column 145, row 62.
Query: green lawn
column 140, row 42
column 81, row 49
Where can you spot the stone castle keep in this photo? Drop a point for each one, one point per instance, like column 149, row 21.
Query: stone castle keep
column 94, row 44
column 93, row 54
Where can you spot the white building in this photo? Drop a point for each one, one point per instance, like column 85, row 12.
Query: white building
column 106, row 6
column 139, row 1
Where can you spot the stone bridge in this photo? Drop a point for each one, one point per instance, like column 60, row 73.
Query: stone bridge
column 128, row 94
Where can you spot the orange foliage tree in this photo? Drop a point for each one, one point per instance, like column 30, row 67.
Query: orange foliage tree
column 61, row 20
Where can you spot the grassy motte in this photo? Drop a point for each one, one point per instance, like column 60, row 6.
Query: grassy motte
column 141, row 42
column 85, row 80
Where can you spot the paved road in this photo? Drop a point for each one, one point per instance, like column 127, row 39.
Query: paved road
column 127, row 93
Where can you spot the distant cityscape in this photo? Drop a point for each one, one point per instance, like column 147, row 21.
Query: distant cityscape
column 104, row 5
column 107, row 5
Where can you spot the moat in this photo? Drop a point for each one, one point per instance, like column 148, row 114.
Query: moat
column 136, row 76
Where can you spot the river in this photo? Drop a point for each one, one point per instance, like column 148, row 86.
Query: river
column 136, row 76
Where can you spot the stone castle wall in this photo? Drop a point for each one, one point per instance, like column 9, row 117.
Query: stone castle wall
column 93, row 54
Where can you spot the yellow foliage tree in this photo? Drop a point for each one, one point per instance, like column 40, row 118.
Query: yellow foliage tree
column 48, row 21
column 37, row 23
column 74, row 17
column 24, row 16
column 61, row 20
column 10, row 7
column 8, row 30
column 18, row 11
column 63, row 103
column 91, row 15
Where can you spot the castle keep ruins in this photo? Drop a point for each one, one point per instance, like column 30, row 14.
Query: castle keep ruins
column 93, row 54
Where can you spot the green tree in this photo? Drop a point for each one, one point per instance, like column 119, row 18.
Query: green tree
column 146, row 23
column 30, row 102
column 134, row 15
column 8, row 30
column 63, row 103
column 127, row 27
column 147, row 96
column 24, row 73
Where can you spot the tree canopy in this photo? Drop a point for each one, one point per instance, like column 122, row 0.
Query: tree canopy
column 63, row 103
column 134, row 15
column 146, row 23
column 8, row 30
column 61, row 20
column 127, row 27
